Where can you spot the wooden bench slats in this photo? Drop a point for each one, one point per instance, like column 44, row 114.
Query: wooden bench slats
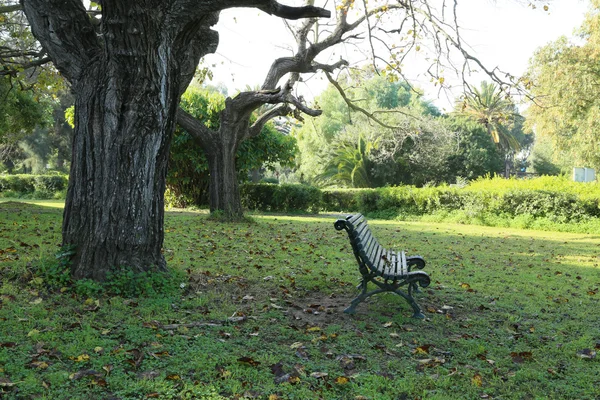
column 365, row 241
column 377, row 258
column 361, row 230
column 388, row 259
column 393, row 266
column 403, row 266
column 354, row 219
column 373, row 250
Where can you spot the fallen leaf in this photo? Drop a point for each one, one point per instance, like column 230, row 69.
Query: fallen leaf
column 85, row 372
column 148, row 375
column 319, row 374
column 6, row 383
column 477, row 380
column 342, row 380
column 173, row 377
column 388, row 324
column 521, row 356
column 249, row 361
column 424, row 349
column 80, row 358
column 39, row 364
column 587, row 354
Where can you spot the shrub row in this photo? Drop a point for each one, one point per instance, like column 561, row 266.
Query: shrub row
column 41, row 186
column 280, row 198
column 558, row 206
column 556, row 199
column 390, row 202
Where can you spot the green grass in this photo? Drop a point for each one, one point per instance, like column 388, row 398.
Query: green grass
column 256, row 313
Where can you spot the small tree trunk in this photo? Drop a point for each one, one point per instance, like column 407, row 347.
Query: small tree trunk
column 224, row 185
column 507, row 166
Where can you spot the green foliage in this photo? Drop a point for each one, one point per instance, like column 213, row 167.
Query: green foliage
column 32, row 186
column 56, row 274
column 280, row 198
column 477, row 155
column 349, row 164
column 20, row 112
column 423, row 148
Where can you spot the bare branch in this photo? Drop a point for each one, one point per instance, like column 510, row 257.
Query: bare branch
column 352, row 105
column 32, row 64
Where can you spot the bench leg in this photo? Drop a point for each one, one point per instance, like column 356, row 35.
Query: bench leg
column 417, row 310
column 352, row 308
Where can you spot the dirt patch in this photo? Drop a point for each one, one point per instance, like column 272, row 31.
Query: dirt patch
column 320, row 309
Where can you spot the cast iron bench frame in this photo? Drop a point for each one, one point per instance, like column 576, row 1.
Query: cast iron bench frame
column 376, row 262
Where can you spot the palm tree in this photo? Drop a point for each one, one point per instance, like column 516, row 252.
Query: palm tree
column 491, row 108
column 349, row 163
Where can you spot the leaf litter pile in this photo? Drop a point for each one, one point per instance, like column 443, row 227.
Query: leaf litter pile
column 256, row 312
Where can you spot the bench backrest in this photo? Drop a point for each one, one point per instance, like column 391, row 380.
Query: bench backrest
column 369, row 253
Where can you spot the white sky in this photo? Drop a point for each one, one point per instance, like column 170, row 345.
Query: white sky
column 502, row 33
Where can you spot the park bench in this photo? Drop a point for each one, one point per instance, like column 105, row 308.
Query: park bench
column 388, row 270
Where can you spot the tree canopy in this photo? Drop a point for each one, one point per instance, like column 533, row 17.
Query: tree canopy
column 565, row 78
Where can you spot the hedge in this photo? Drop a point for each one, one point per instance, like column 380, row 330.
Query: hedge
column 40, row 186
column 556, row 198
column 280, row 198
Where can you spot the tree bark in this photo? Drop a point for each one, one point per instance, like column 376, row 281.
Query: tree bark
column 224, row 182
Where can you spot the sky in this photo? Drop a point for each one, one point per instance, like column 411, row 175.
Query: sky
column 501, row 33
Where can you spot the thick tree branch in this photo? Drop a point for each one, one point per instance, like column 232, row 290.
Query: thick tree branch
column 287, row 12
column 65, row 31
column 302, row 61
column 32, row 64
column 277, row 111
column 194, row 127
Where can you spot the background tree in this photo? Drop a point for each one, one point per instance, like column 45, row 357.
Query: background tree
column 221, row 145
column 188, row 176
column 491, row 108
column 565, row 78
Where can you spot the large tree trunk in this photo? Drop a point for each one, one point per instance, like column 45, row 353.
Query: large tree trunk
column 114, row 209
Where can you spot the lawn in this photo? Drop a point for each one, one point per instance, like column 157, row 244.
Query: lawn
column 254, row 310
